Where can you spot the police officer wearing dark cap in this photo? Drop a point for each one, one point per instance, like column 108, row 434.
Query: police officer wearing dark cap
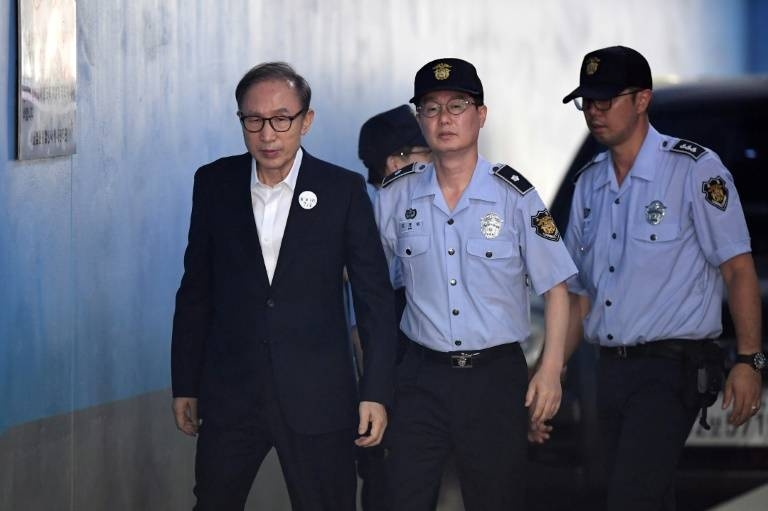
column 470, row 240
column 657, row 232
column 389, row 141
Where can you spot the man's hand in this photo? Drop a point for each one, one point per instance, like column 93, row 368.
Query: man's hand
column 538, row 432
column 544, row 394
column 743, row 388
column 373, row 415
column 185, row 413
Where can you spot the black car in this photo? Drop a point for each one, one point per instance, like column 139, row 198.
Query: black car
column 729, row 117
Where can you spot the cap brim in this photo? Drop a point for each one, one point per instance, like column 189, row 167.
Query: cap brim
column 415, row 99
column 594, row 92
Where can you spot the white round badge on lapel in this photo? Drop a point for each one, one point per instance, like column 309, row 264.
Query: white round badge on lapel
column 307, row 199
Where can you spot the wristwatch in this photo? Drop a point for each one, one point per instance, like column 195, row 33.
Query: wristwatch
column 757, row 360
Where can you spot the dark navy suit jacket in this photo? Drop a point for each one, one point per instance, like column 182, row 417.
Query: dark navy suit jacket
column 227, row 311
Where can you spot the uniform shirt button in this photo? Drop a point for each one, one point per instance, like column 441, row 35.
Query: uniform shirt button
column 489, row 254
column 608, row 303
column 653, row 237
column 457, row 342
column 407, row 251
column 611, row 269
column 453, row 282
column 450, row 221
column 455, row 312
column 610, row 337
column 270, row 303
column 451, row 251
column 617, row 201
column 613, row 235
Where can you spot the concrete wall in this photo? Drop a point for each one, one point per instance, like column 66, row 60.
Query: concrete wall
column 91, row 245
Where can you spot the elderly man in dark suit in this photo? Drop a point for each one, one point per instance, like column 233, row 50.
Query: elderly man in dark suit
column 260, row 353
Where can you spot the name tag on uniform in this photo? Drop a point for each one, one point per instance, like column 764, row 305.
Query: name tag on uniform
column 410, row 226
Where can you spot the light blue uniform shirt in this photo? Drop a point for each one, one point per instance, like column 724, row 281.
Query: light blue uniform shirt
column 649, row 251
column 466, row 271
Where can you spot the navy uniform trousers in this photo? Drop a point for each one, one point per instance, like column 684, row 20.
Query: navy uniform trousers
column 643, row 424
column 319, row 470
column 475, row 414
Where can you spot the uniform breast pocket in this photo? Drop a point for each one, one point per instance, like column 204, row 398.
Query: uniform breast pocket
column 587, row 235
column 651, row 244
column 490, row 251
column 412, row 250
column 490, row 263
column 409, row 247
column 655, row 234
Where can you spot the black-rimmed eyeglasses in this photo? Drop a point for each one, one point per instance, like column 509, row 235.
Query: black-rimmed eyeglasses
column 603, row 105
column 279, row 123
column 454, row 107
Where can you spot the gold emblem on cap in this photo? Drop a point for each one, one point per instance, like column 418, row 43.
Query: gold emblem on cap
column 591, row 67
column 442, row 71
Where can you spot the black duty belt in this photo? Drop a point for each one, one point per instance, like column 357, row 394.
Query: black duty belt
column 465, row 359
column 674, row 349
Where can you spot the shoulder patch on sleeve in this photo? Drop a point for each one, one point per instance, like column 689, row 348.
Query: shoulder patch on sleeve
column 689, row 148
column 407, row 170
column 596, row 158
column 512, row 178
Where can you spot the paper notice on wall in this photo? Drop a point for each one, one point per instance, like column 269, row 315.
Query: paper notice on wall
column 47, row 78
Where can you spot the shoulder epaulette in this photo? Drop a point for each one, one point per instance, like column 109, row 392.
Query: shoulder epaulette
column 408, row 169
column 596, row 158
column 689, row 148
column 512, row 178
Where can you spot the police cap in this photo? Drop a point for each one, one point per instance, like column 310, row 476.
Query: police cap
column 447, row 74
column 608, row 71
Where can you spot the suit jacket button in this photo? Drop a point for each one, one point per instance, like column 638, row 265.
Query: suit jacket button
column 270, row 303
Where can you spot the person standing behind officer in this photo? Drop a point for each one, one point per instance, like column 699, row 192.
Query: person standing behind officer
column 260, row 354
column 388, row 141
column 468, row 239
column 656, row 228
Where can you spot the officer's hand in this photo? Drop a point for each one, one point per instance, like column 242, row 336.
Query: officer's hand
column 373, row 416
column 538, row 432
column 544, row 394
column 185, row 413
column 744, row 388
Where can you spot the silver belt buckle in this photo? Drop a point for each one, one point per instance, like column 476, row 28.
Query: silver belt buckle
column 621, row 352
column 462, row 360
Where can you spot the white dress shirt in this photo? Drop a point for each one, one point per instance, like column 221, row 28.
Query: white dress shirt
column 270, row 211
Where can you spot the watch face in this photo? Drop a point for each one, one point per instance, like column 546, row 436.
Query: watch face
column 759, row 361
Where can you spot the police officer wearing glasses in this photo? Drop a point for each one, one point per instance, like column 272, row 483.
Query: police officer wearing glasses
column 657, row 232
column 470, row 240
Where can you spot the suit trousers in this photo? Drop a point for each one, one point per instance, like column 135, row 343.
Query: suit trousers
column 476, row 414
column 319, row 470
column 643, row 424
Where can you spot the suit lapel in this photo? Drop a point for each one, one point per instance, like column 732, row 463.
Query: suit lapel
column 294, row 226
column 244, row 212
